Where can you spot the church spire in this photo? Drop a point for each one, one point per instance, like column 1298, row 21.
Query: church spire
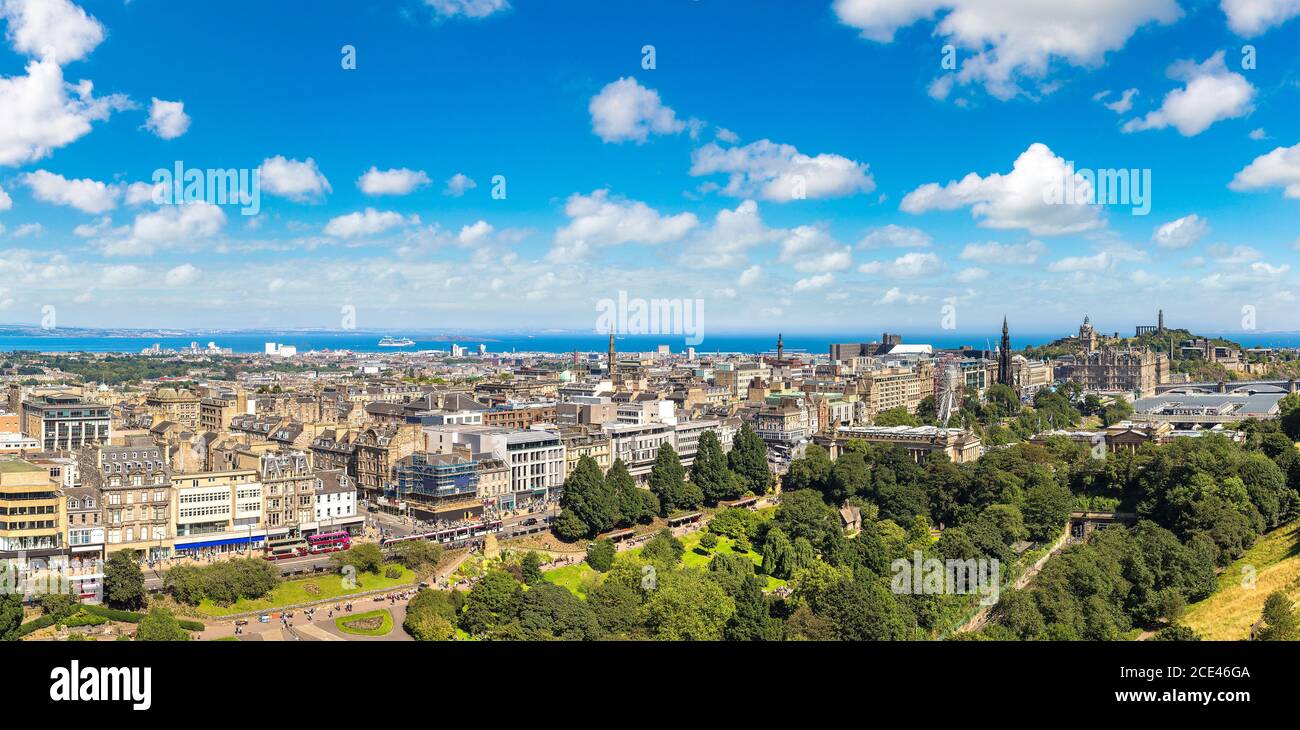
column 780, row 348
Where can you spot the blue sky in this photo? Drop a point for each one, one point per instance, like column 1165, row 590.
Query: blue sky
column 798, row 166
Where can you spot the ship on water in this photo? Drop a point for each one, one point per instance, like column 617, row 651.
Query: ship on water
column 396, row 342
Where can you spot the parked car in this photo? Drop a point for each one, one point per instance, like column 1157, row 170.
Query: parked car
column 264, row 619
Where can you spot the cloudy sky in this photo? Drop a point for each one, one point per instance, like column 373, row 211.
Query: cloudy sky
column 820, row 165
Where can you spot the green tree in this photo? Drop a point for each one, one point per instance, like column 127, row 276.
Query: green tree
column 494, row 601
column 531, row 567
column 668, row 481
column 11, row 610
column 366, row 557
column 776, row 554
column 418, row 554
column 635, row 505
column 185, row 583
column 160, row 625
column 710, row 473
column 123, row 581
column 59, row 606
column 895, row 417
column 687, row 606
column 432, row 615
column 600, row 555
column 753, row 619
column 569, row 526
column 664, row 548
column 1279, row 618
column 591, row 498
column 708, row 541
column 548, row 611
column 748, row 460
column 1289, row 415
column 1047, row 508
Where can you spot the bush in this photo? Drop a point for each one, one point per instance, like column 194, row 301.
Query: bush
column 113, row 614
column 392, row 572
column 84, row 619
column 190, row 625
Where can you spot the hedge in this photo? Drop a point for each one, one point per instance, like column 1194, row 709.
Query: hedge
column 113, row 614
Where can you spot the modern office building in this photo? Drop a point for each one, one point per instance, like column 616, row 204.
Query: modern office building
column 65, row 421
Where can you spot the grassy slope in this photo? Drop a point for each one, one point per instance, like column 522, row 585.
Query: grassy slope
column 1228, row 613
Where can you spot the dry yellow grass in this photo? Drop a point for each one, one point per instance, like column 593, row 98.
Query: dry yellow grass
column 1228, row 614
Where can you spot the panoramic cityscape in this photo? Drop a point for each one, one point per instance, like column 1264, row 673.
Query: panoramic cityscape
column 494, row 322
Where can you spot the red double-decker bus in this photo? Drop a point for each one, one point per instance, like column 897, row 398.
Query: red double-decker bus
column 329, row 542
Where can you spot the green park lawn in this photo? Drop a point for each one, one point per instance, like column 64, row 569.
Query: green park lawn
column 306, row 590
column 359, row 624
column 573, row 577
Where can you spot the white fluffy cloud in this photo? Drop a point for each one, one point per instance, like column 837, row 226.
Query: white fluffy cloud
column 167, row 119
column 973, row 273
column 1073, row 264
column 1181, row 233
column 369, row 222
column 598, row 220
column 1008, row 41
column 896, row 237
column 1120, row 105
column 298, row 181
column 472, row 234
column 819, row 281
column 908, row 266
column 1277, row 169
column 1252, row 17
column 726, row 244
column 88, row 196
column 182, row 275
column 123, row 276
column 458, row 184
column 812, row 249
column 1027, row 197
column 6, row 202
column 625, row 110
column 750, row 276
column 39, row 112
column 467, row 8
column 1211, row 93
column 781, row 173
column 896, row 295
column 164, row 227
column 54, row 30
column 993, row 252
column 398, row 181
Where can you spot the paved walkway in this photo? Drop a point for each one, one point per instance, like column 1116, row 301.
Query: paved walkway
column 321, row 627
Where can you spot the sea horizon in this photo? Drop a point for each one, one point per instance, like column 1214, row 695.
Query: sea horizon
column 245, row 342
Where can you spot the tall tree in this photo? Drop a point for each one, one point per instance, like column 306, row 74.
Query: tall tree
column 123, row 581
column 591, row 498
column 668, row 481
column 748, row 459
column 710, row 472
